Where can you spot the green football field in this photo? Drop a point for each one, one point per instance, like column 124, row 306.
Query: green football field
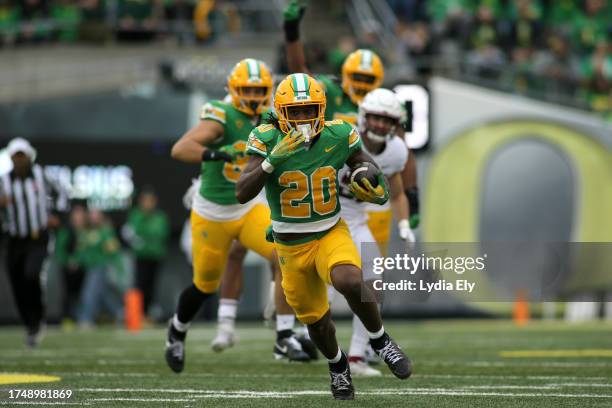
column 456, row 364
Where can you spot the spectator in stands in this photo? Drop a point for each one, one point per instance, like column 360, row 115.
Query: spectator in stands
column 66, row 19
column 556, row 67
column 98, row 250
column 485, row 58
column 9, row 22
column 592, row 26
column 36, row 25
column 67, row 258
column 417, row 45
column 596, row 71
column 93, row 26
column 138, row 20
column 146, row 231
column 179, row 15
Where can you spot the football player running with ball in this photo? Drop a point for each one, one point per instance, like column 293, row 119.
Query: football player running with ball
column 219, row 142
column 297, row 159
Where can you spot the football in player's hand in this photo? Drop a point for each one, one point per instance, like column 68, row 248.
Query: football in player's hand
column 365, row 170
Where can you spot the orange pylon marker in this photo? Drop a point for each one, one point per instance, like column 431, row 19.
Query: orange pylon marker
column 520, row 310
column 133, row 310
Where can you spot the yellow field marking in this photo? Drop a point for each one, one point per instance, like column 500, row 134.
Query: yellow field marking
column 13, row 378
column 557, row 353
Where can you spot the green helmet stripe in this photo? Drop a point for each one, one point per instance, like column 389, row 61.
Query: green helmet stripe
column 253, row 68
column 366, row 60
column 300, row 86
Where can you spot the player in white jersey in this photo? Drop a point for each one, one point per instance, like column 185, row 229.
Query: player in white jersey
column 379, row 119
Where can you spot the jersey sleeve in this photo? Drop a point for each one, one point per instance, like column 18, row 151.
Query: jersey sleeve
column 354, row 141
column 213, row 110
column 399, row 154
column 256, row 143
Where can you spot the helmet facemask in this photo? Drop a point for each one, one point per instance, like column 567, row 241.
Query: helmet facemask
column 305, row 117
column 251, row 99
column 359, row 84
column 378, row 128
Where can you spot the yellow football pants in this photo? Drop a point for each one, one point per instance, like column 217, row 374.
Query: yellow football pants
column 379, row 223
column 306, row 270
column 211, row 242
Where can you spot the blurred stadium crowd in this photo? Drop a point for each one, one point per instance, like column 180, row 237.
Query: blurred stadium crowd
column 559, row 50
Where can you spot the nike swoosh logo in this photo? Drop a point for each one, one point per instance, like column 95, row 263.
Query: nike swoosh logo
column 329, row 149
column 282, row 349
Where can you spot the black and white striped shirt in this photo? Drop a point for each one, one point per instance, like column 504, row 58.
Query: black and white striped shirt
column 29, row 202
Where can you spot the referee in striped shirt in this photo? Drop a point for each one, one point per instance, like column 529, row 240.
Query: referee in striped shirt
column 26, row 200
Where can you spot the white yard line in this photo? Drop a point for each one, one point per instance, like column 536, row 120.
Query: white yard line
column 392, row 391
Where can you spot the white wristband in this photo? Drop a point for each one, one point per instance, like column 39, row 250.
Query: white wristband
column 267, row 166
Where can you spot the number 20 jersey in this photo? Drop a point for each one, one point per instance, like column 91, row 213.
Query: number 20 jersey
column 303, row 191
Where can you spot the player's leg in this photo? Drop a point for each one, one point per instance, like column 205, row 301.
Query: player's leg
column 211, row 241
column 253, row 236
column 231, row 287
column 306, row 292
column 339, row 258
column 379, row 224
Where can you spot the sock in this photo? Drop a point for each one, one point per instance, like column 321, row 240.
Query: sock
column 178, row 330
column 284, row 322
column 226, row 315
column 359, row 340
column 189, row 303
column 338, row 364
column 378, row 339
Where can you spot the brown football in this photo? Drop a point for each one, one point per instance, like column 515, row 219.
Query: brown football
column 365, row 170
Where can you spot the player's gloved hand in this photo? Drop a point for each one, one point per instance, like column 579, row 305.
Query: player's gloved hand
column 405, row 232
column 269, row 234
column 232, row 151
column 378, row 195
column 216, row 155
column 290, row 144
column 415, row 220
column 292, row 15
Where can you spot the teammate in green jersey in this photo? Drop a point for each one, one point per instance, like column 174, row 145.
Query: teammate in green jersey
column 217, row 218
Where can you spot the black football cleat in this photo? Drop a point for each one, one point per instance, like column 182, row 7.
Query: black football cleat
column 291, row 349
column 308, row 346
column 399, row 364
column 175, row 351
column 342, row 384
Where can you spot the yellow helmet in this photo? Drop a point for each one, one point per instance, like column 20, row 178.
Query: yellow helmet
column 300, row 90
column 250, row 73
column 362, row 72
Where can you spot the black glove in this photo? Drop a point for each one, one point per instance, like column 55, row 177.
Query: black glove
column 215, row 155
column 413, row 200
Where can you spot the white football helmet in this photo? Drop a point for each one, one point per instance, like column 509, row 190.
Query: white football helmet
column 381, row 102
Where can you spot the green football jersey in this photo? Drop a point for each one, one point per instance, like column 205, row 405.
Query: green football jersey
column 303, row 191
column 339, row 105
column 218, row 177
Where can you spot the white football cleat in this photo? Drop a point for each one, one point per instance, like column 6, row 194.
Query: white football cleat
column 225, row 338
column 362, row 369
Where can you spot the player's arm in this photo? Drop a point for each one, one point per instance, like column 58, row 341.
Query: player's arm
column 262, row 164
column 411, row 190
column 293, row 13
column 251, row 180
column 191, row 147
column 399, row 206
